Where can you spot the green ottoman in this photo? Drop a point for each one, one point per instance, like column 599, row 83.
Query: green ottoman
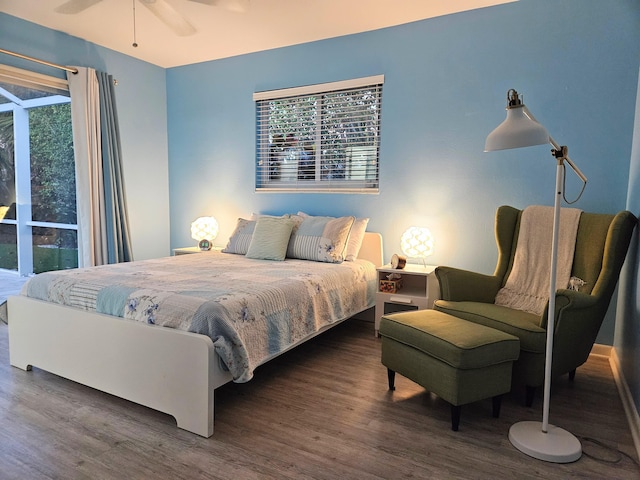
column 460, row 361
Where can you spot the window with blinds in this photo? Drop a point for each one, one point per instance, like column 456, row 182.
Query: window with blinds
column 320, row 138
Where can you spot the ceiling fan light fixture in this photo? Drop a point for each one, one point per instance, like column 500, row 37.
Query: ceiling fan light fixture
column 163, row 10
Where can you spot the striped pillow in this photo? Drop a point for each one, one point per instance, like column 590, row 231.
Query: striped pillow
column 321, row 239
column 241, row 237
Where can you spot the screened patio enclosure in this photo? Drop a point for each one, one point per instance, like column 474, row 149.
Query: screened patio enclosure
column 38, row 226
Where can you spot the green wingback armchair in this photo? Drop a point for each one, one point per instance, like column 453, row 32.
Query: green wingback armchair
column 601, row 246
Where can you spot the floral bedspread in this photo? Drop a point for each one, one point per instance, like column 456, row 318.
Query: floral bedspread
column 251, row 309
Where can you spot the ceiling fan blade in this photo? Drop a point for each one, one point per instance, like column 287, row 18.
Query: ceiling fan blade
column 207, row 2
column 170, row 17
column 238, row 6
column 75, row 6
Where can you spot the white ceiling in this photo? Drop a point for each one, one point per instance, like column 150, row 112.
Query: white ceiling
column 221, row 33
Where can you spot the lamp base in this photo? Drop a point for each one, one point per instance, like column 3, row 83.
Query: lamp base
column 557, row 445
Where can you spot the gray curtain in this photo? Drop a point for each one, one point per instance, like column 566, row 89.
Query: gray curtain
column 116, row 218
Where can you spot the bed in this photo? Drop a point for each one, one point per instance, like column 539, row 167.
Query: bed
column 174, row 370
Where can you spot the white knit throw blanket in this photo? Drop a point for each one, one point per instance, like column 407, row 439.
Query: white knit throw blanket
column 527, row 287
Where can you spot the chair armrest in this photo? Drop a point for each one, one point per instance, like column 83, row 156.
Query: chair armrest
column 578, row 320
column 574, row 300
column 568, row 303
column 462, row 285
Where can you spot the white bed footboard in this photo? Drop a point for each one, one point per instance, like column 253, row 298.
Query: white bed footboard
column 168, row 370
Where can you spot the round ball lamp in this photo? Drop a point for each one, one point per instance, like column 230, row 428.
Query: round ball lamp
column 417, row 242
column 204, row 230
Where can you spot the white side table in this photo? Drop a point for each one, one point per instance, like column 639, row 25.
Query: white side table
column 188, row 250
column 419, row 290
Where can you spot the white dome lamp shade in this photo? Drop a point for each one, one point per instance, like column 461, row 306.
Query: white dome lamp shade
column 518, row 129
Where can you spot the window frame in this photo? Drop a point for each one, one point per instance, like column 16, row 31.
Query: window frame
column 356, row 166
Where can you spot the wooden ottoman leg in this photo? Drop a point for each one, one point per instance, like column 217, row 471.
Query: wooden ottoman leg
column 392, row 378
column 497, row 402
column 530, row 393
column 455, row 417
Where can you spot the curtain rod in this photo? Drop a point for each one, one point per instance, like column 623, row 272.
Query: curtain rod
column 49, row 64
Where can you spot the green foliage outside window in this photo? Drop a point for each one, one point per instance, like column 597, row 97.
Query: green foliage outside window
column 53, row 184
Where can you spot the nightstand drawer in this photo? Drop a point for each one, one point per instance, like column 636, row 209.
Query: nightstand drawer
column 399, row 299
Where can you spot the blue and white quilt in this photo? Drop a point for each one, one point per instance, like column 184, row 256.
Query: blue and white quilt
column 251, row 309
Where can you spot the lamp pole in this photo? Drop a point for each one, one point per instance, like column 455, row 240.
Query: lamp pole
column 540, row 440
column 543, row 441
column 551, row 314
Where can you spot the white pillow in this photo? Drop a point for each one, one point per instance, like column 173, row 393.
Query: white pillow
column 356, row 236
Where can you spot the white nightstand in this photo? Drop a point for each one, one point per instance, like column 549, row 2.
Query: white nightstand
column 188, row 250
column 419, row 290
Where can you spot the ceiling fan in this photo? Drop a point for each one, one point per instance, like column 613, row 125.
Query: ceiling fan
column 161, row 9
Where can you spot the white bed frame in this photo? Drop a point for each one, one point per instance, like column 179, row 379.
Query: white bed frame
column 169, row 370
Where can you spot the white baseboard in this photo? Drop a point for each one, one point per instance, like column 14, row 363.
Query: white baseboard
column 601, row 350
column 627, row 400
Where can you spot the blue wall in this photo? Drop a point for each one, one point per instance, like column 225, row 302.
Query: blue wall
column 141, row 103
column 445, row 87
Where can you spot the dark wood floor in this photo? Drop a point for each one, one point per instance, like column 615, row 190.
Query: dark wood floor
column 321, row 411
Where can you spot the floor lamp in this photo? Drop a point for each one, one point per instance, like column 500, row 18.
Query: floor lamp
column 520, row 129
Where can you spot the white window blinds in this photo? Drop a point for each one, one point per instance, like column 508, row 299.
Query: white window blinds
column 321, row 138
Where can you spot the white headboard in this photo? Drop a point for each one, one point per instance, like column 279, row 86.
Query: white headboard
column 371, row 248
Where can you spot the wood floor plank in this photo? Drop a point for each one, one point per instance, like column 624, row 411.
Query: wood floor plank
column 321, row 411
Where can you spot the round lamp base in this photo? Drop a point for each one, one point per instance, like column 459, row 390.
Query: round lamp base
column 557, row 445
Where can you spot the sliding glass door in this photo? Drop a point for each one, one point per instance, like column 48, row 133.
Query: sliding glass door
column 38, row 226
